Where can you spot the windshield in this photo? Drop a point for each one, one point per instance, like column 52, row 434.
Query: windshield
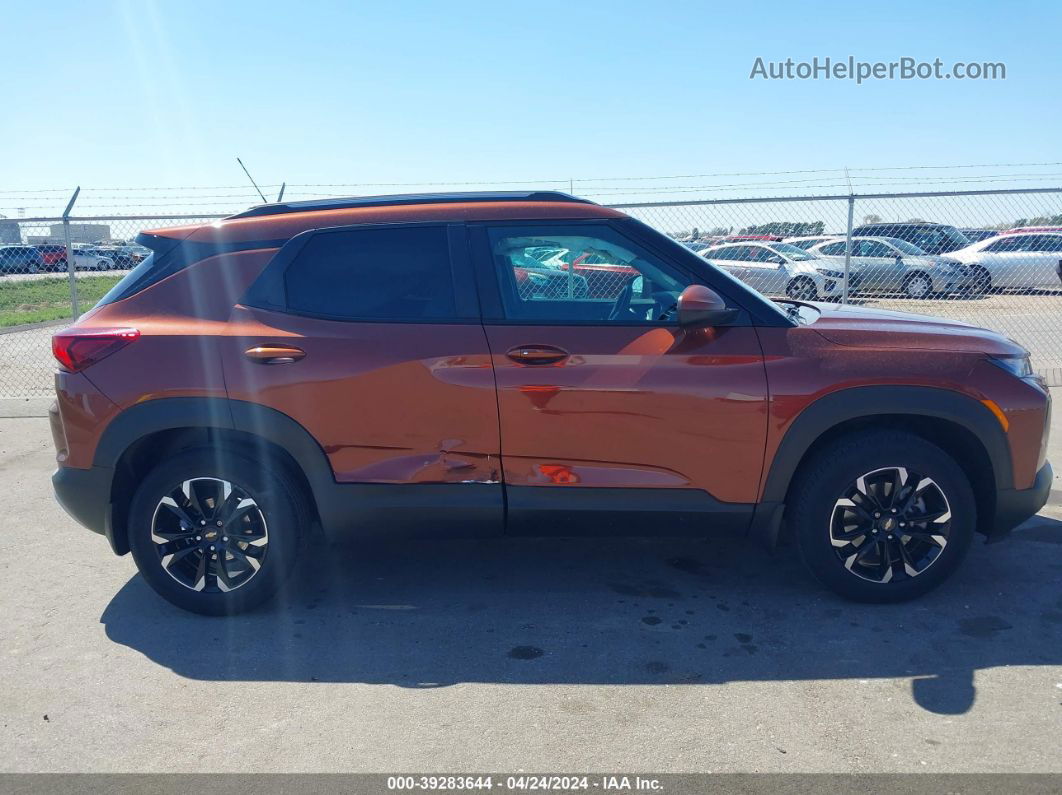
column 955, row 236
column 905, row 247
column 791, row 252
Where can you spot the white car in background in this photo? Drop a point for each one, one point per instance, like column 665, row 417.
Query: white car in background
column 1019, row 260
column 86, row 259
column 778, row 269
column 891, row 265
column 808, row 241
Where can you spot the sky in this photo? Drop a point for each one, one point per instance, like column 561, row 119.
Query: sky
column 370, row 97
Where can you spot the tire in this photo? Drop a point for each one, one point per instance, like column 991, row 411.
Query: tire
column 859, row 569
column 802, row 289
column 260, row 540
column 918, row 285
column 980, row 281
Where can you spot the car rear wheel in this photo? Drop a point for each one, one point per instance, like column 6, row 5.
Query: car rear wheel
column 917, row 285
column 882, row 516
column 802, row 289
column 214, row 531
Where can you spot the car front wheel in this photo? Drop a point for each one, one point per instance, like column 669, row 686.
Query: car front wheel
column 882, row 516
column 917, row 285
column 214, row 531
column 802, row 289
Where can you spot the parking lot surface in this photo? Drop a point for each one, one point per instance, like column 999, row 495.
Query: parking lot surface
column 536, row 655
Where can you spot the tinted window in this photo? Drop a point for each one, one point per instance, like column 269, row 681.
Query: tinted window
column 834, row 249
column 373, row 274
column 1041, row 243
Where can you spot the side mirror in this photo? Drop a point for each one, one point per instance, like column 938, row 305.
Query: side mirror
column 702, row 306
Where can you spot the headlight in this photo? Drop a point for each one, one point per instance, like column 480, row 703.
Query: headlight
column 1015, row 365
column 831, row 274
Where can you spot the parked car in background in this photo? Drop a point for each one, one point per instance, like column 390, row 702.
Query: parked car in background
column 54, row 256
column 809, row 241
column 88, row 258
column 891, row 265
column 1021, row 261
column 976, row 235
column 930, row 237
column 124, row 256
column 20, row 259
column 778, row 269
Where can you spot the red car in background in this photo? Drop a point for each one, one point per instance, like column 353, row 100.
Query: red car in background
column 54, row 256
column 604, row 278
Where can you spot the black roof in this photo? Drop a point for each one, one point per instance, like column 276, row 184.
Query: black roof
column 282, row 208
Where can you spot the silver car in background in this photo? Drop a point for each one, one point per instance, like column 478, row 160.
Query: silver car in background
column 891, row 265
column 778, row 269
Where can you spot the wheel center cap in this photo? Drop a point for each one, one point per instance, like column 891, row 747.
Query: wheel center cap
column 210, row 535
column 888, row 524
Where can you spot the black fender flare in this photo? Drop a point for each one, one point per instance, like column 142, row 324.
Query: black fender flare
column 863, row 402
column 224, row 414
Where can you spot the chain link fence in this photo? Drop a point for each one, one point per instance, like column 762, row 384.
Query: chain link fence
column 989, row 258
column 52, row 269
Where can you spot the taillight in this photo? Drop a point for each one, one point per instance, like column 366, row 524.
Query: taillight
column 75, row 349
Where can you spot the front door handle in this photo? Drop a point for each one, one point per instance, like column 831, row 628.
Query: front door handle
column 537, row 354
column 274, row 354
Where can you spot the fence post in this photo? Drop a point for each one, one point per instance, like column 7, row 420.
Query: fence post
column 70, row 254
column 848, row 247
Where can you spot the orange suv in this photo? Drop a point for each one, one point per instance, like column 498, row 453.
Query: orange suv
column 438, row 364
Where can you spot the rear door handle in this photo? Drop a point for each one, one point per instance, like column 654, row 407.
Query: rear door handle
column 537, row 354
column 274, row 354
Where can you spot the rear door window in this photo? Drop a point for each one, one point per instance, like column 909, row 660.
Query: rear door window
column 401, row 274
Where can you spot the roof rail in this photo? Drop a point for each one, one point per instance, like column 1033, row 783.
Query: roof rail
column 283, row 208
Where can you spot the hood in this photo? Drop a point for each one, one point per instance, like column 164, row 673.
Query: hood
column 861, row 326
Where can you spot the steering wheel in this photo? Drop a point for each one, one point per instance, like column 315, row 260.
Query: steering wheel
column 622, row 305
